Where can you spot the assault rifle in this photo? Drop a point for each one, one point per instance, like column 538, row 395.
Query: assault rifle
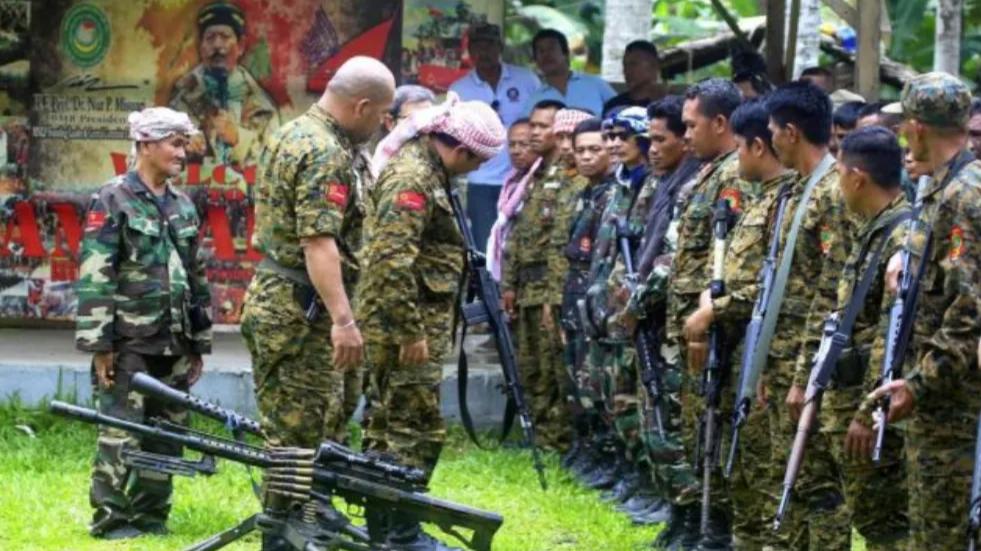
column 902, row 315
column 714, row 374
column 747, row 377
column 651, row 364
column 315, row 477
column 829, row 351
column 835, row 338
column 974, row 512
column 483, row 305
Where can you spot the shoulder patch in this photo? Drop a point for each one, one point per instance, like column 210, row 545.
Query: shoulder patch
column 733, row 197
column 410, row 200
column 956, row 243
column 95, row 220
column 336, row 193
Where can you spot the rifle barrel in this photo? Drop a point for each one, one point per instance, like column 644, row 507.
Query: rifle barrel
column 150, row 386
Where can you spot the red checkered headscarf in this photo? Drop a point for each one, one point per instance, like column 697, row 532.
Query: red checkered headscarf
column 472, row 123
column 567, row 119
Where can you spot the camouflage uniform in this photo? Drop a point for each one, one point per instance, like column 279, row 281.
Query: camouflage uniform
column 692, row 260
column 876, row 494
column 817, row 518
column 306, row 188
column 754, row 502
column 533, row 268
column 142, row 294
column 416, row 259
column 579, row 237
column 673, row 473
column 629, row 205
column 945, row 381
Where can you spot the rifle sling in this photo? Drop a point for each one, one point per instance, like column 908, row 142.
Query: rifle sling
column 963, row 159
column 468, row 281
column 861, row 290
column 762, row 346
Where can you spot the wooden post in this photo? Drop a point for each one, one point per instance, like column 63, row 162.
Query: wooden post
column 867, row 62
column 776, row 18
column 790, row 52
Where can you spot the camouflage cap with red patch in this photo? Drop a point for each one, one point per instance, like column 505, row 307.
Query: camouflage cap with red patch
column 937, row 99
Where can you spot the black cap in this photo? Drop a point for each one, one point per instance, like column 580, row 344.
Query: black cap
column 222, row 13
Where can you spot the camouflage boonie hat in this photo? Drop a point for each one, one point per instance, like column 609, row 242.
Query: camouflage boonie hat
column 937, row 99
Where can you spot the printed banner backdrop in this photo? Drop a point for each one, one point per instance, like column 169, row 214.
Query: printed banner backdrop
column 434, row 38
column 70, row 73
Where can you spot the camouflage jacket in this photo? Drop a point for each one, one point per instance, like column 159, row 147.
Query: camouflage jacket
column 655, row 272
column 142, row 277
column 534, row 265
column 810, row 293
column 416, row 249
column 749, row 241
column 580, row 236
column 719, row 179
column 855, row 374
column 636, row 226
column 630, row 206
column 945, row 381
column 308, row 186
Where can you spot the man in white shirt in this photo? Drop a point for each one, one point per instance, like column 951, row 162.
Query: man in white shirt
column 576, row 90
column 506, row 88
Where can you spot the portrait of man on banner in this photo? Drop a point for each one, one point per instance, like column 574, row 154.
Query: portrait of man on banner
column 222, row 97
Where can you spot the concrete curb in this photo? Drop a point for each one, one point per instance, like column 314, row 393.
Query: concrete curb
column 39, row 365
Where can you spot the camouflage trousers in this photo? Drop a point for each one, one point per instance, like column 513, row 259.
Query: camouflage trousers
column 693, row 423
column 876, row 494
column 817, row 518
column 406, row 420
column 121, row 494
column 939, row 460
column 672, row 471
column 302, row 398
column 544, row 377
column 623, row 372
column 754, row 497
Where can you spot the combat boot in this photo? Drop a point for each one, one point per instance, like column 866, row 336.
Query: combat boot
column 624, row 488
column 570, row 457
column 605, row 477
column 407, row 535
column 659, row 511
column 588, row 459
column 682, row 532
column 717, row 535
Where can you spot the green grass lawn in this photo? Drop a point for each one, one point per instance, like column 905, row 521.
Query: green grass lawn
column 44, row 496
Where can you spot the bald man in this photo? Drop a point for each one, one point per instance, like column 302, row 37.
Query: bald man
column 309, row 202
